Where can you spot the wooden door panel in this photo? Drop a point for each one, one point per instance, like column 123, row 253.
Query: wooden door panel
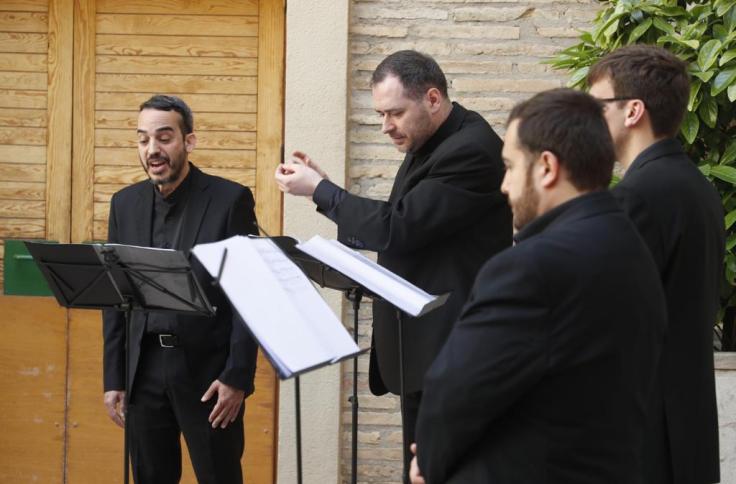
column 32, row 374
column 225, row 58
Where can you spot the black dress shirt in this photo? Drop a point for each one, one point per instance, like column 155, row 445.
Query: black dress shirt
column 166, row 225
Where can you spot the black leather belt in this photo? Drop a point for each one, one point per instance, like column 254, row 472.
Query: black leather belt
column 164, row 340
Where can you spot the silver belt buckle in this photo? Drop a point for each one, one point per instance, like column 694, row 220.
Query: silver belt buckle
column 161, row 340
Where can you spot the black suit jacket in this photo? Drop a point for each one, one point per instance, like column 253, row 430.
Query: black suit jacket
column 442, row 221
column 680, row 216
column 545, row 377
column 216, row 348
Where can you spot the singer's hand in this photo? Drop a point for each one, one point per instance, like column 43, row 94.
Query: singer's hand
column 115, row 404
column 299, row 175
column 415, row 474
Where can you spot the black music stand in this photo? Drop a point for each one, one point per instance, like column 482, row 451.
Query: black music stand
column 122, row 278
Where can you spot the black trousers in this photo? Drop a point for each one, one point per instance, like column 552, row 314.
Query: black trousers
column 409, row 426
column 164, row 404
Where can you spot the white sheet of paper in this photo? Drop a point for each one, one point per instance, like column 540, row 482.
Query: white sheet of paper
column 284, row 311
column 396, row 290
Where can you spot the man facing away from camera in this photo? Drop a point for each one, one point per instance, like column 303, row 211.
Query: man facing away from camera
column 444, row 218
column 545, row 376
column 187, row 374
column 645, row 91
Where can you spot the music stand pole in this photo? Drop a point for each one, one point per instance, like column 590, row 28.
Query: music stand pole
column 401, row 381
column 355, row 296
column 297, row 399
column 128, row 308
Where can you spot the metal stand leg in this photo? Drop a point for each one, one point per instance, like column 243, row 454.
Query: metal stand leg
column 356, row 297
column 401, row 373
column 126, row 399
column 298, row 412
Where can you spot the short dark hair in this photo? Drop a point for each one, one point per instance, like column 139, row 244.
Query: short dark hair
column 652, row 74
column 172, row 103
column 571, row 125
column 417, row 72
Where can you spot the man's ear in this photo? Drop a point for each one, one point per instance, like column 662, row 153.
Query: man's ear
column 433, row 98
column 635, row 110
column 190, row 141
column 549, row 169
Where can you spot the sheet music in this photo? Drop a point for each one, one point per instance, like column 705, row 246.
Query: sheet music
column 391, row 287
column 284, row 311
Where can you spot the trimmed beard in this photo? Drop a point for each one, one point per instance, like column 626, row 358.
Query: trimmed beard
column 526, row 208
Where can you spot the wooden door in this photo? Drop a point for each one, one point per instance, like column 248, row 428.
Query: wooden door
column 35, row 120
column 72, row 74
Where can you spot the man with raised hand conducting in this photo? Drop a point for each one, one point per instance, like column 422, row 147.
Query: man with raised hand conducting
column 187, row 374
column 545, row 376
column 645, row 91
column 444, row 218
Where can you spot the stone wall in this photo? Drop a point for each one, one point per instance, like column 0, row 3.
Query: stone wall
column 492, row 53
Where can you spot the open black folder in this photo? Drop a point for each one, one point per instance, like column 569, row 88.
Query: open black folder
column 106, row 276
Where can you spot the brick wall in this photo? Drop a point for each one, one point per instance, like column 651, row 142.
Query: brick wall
column 491, row 52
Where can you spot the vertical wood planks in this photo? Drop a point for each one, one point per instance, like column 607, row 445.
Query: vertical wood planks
column 59, row 148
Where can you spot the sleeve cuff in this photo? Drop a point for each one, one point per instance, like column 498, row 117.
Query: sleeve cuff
column 325, row 194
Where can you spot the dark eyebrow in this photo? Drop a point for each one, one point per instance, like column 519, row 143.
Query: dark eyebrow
column 158, row 130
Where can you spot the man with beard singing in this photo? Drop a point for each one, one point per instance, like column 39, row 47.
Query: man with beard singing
column 187, row 374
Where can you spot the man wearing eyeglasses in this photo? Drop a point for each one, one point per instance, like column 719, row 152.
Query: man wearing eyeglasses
column 645, row 91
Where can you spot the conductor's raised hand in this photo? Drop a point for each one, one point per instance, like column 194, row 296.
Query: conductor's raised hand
column 229, row 400
column 301, row 157
column 297, row 176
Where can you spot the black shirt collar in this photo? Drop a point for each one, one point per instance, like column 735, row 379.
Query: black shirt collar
column 663, row 147
column 579, row 207
column 447, row 128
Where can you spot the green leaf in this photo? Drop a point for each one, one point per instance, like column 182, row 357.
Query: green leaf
column 578, row 76
column 729, row 154
column 612, row 28
column 672, row 11
column 708, row 112
column 694, row 90
column 639, row 30
column 663, row 26
column 690, row 127
column 722, row 7
column 704, row 76
column 726, row 57
column 731, row 241
column 725, row 173
column 701, row 11
column 708, row 54
column 704, row 169
column 674, row 39
column 722, row 81
column 729, row 20
column 720, row 32
column 601, row 30
column 732, row 92
column 730, row 219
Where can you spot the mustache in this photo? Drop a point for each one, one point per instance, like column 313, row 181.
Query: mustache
column 157, row 158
